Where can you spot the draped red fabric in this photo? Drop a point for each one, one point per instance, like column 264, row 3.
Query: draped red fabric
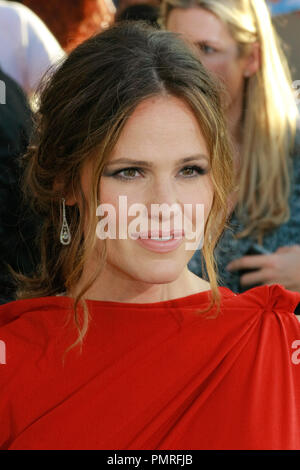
column 153, row 376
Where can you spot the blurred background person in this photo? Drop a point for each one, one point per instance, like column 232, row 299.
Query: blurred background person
column 72, row 22
column 236, row 41
column 286, row 19
column 17, row 225
column 140, row 12
column 27, row 48
column 27, row 51
column 124, row 4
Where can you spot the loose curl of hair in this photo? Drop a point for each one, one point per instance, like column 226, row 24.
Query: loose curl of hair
column 83, row 109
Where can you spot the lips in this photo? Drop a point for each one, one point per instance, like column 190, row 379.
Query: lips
column 147, row 241
column 154, row 234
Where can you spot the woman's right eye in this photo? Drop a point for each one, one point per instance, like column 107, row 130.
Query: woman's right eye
column 206, row 49
column 126, row 173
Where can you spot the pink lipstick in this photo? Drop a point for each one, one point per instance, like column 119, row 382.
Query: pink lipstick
column 160, row 242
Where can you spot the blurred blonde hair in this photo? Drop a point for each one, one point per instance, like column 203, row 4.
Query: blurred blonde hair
column 269, row 118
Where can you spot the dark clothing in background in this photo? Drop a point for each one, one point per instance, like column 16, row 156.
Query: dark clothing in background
column 16, row 224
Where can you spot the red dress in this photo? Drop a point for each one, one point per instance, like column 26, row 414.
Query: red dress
column 153, row 376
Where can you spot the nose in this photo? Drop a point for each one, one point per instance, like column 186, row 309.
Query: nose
column 163, row 202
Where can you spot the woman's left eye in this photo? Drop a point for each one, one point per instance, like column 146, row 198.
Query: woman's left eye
column 192, row 171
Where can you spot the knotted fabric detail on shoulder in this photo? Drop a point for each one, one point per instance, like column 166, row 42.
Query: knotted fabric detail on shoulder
column 283, row 299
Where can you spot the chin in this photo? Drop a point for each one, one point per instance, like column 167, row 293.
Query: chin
column 159, row 273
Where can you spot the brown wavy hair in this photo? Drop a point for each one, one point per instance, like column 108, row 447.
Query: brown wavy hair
column 83, row 109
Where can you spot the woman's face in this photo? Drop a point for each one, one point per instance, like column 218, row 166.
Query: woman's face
column 217, row 49
column 146, row 166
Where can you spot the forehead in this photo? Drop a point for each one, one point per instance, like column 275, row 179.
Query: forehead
column 160, row 126
column 166, row 110
column 199, row 24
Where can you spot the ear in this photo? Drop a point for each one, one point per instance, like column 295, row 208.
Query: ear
column 70, row 200
column 253, row 60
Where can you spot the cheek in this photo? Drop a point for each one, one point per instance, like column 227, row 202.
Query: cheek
column 122, row 197
column 109, row 191
column 233, row 80
column 222, row 70
column 203, row 196
column 109, row 197
column 228, row 70
column 209, row 197
column 216, row 65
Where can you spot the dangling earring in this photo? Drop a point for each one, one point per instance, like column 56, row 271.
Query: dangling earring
column 65, row 235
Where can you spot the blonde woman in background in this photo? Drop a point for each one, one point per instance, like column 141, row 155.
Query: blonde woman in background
column 237, row 42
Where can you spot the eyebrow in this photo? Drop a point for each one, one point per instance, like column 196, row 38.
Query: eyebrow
column 150, row 165
column 207, row 42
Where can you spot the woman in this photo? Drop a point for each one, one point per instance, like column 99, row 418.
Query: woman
column 236, row 41
column 164, row 356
